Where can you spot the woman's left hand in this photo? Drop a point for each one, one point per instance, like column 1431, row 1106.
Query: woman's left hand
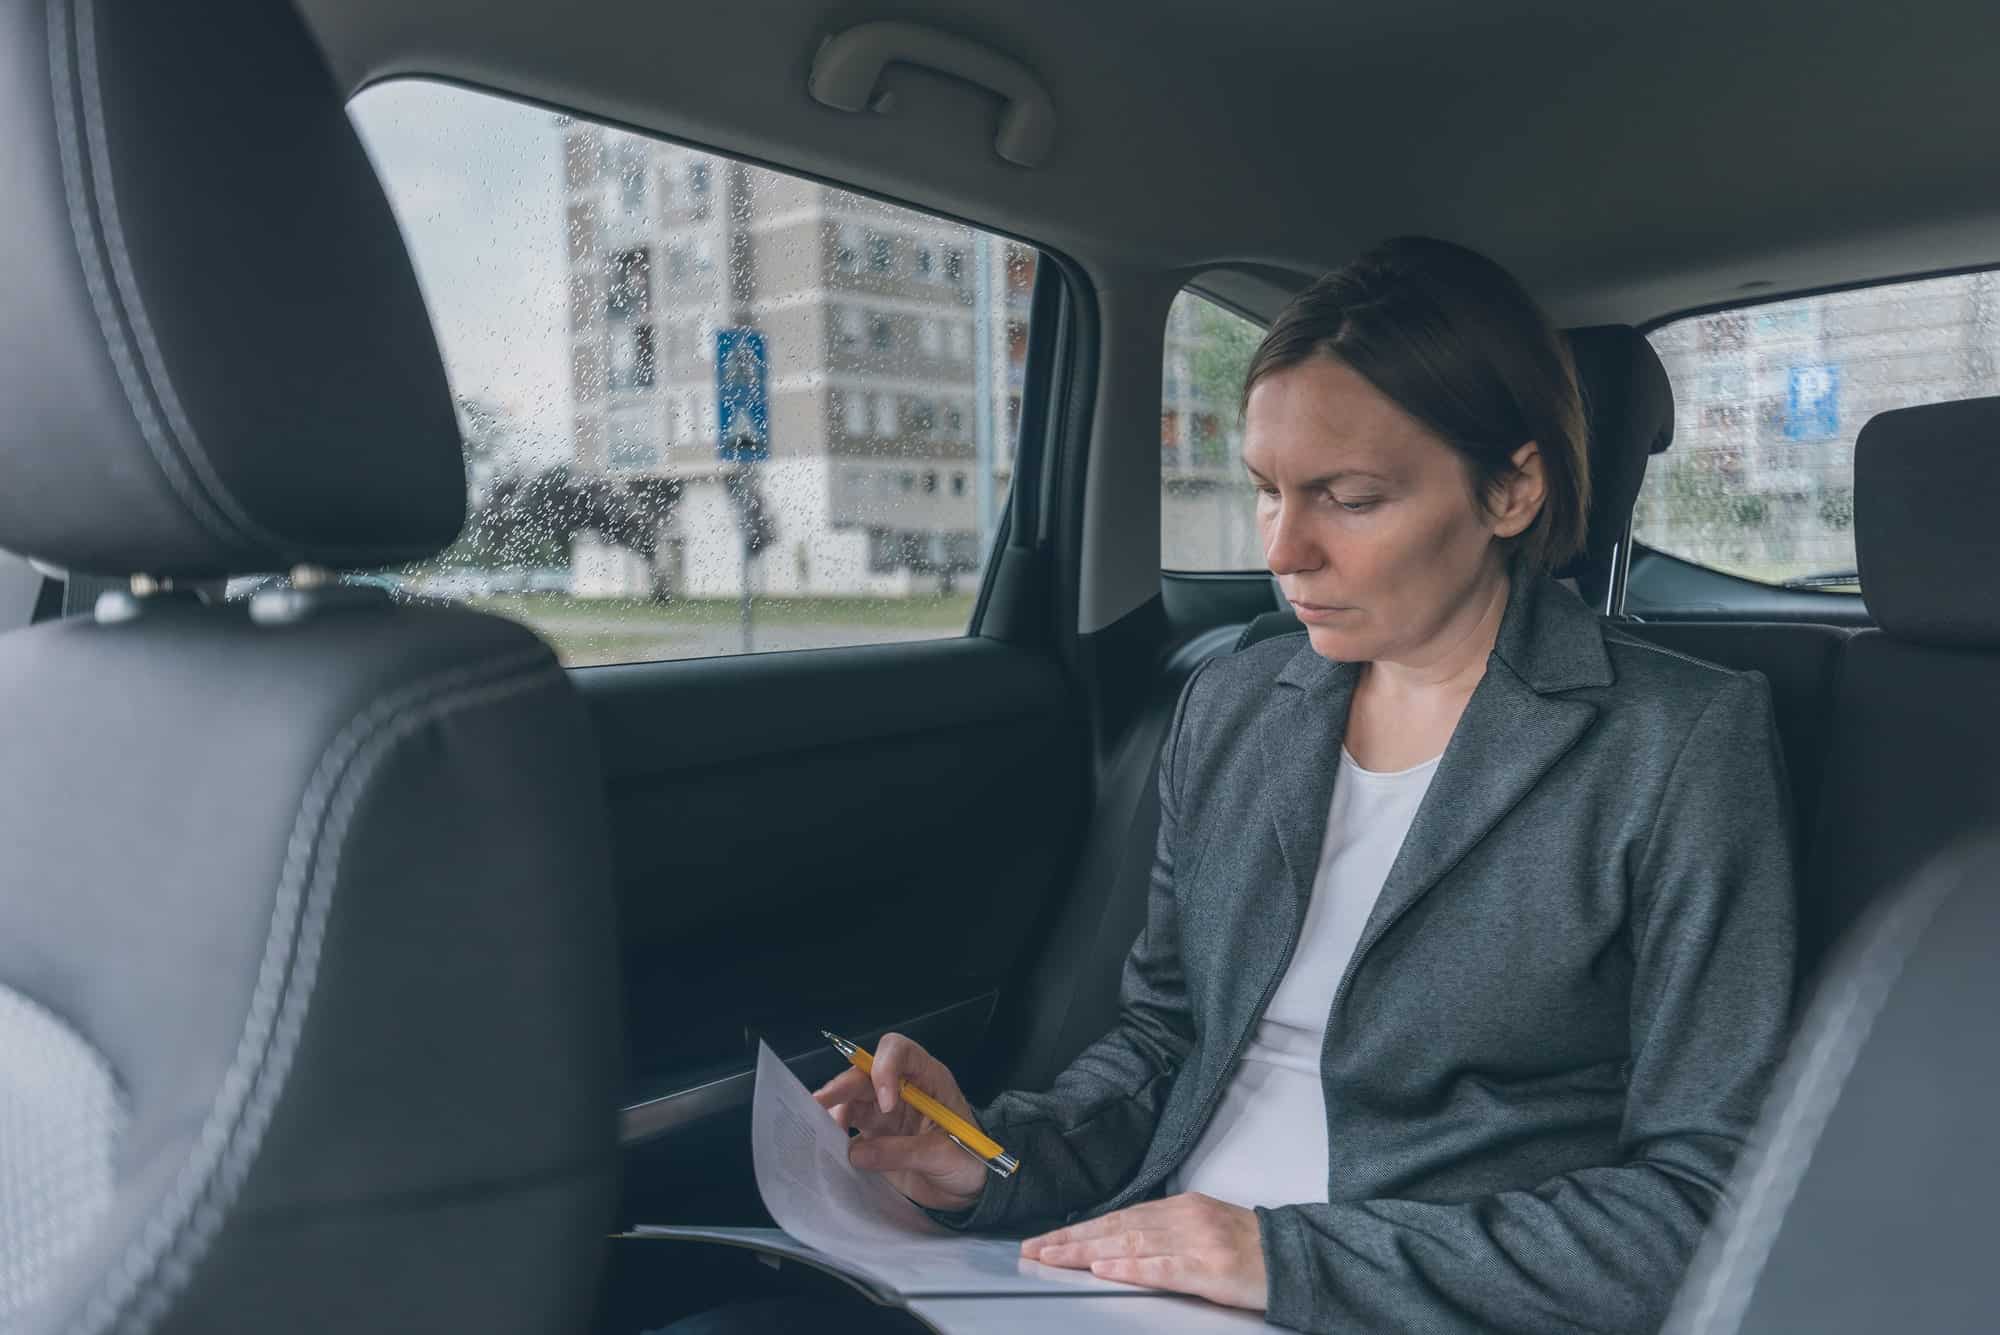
column 1189, row 1243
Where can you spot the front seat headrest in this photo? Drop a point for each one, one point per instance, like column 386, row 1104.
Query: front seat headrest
column 1926, row 487
column 213, row 353
column 1629, row 408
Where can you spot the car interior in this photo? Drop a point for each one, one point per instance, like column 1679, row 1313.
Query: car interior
column 366, row 961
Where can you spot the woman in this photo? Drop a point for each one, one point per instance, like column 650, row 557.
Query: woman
column 1469, row 945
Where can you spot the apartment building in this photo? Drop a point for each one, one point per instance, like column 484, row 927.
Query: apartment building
column 895, row 351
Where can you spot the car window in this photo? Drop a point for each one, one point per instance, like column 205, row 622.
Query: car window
column 707, row 408
column 1208, row 512
column 1768, row 399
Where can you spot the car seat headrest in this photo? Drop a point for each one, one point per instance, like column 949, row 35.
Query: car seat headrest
column 214, row 355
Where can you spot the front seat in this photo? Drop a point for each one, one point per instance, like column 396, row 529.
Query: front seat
column 1863, row 1202
column 308, row 1020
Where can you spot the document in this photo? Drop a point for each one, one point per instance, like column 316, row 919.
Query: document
column 856, row 1226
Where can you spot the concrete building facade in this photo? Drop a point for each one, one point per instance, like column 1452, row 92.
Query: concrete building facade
column 895, row 342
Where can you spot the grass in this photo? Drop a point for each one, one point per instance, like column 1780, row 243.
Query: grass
column 608, row 616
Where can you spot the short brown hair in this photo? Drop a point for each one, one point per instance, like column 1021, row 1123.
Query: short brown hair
column 1453, row 340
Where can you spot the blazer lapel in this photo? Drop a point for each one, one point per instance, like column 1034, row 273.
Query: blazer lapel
column 1515, row 728
column 1300, row 739
column 1508, row 738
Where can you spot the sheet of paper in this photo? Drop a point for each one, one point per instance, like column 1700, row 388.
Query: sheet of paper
column 859, row 1219
column 1100, row 1314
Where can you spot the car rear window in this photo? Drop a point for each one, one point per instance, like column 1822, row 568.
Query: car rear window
column 1768, row 399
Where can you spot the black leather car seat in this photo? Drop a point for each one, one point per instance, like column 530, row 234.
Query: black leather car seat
column 308, row 1016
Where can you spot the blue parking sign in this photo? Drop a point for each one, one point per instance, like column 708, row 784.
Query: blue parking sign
column 742, row 397
column 1812, row 402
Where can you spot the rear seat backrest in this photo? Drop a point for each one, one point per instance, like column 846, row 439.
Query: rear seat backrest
column 1801, row 662
column 1914, row 757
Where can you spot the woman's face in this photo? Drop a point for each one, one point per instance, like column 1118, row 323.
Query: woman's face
column 1368, row 519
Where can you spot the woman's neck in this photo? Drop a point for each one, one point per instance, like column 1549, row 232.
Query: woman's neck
column 1404, row 710
column 1454, row 659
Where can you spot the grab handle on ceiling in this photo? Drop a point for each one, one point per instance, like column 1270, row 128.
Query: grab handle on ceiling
column 847, row 71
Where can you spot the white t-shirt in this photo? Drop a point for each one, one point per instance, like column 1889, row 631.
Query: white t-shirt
column 1266, row 1144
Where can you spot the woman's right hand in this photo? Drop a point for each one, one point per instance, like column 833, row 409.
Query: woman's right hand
column 896, row 1140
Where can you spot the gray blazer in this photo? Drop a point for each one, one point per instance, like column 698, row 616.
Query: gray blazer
column 1558, row 1023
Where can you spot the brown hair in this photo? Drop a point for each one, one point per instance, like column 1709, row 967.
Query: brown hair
column 1453, row 340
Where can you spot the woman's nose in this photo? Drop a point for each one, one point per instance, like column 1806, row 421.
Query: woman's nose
column 1287, row 549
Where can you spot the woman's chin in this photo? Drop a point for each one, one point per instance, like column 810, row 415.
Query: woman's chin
column 1338, row 645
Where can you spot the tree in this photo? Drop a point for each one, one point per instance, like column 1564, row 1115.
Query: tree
column 534, row 520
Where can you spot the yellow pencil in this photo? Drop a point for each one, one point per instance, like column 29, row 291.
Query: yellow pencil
column 963, row 1133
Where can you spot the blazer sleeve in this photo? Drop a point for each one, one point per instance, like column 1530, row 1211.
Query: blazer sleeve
column 1079, row 1141
column 1603, row 1249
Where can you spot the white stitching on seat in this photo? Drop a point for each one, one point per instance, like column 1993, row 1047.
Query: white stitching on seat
column 122, row 321
column 1724, row 1274
column 173, row 1241
column 109, row 323
column 130, row 301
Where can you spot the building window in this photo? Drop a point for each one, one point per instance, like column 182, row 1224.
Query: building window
column 632, row 162
column 923, row 414
column 881, row 333
column 677, row 262
column 958, row 484
column 954, row 421
column 854, row 412
column 926, row 263
column 906, row 482
column 930, row 483
column 960, row 336
column 633, row 360
column 881, row 253
column 630, row 292
column 846, row 327
column 930, row 338
column 954, row 265
column 847, row 249
column 885, row 414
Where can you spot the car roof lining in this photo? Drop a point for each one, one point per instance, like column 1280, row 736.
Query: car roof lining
column 1626, row 161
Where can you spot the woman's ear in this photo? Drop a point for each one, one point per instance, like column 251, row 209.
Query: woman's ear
column 1518, row 498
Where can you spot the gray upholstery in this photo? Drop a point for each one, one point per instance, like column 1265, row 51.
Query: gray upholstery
column 308, row 1015
column 214, row 355
column 1925, row 483
column 1801, row 662
column 332, row 901
column 1861, row 1205
column 62, row 1119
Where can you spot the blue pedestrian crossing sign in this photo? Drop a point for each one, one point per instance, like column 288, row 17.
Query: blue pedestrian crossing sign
column 1812, row 402
column 742, row 397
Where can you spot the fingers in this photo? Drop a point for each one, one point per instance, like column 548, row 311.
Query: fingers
column 932, row 1155
column 1128, row 1244
column 1175, row 1273
column 849, row 1085
column 896, row 1059
column 1148, row 1214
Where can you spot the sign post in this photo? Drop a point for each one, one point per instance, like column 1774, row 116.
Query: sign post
column 743, row 439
